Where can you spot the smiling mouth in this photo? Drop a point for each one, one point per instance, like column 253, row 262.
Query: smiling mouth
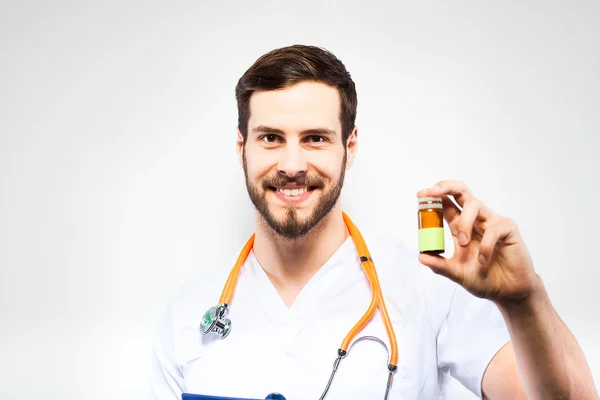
column 293, row 191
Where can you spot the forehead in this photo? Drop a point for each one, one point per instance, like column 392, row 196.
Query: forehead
column 305, row 105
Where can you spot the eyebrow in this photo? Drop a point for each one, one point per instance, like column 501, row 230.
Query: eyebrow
column 313, row 131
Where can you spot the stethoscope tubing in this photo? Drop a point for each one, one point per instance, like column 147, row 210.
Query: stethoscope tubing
column 377, row 301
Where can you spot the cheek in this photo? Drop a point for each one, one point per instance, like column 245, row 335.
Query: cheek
column 257, row 166
column 329, row 165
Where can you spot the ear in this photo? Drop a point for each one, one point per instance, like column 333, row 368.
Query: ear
column 239, row 144
column 352, row 147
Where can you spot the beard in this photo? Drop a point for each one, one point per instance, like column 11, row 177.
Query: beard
column 292, row 226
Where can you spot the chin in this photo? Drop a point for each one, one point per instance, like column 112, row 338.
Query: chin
column 281, row 212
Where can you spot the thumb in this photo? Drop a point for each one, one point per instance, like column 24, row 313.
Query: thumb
column 443, row 266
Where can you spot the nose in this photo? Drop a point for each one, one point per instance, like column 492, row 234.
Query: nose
column 292, row 161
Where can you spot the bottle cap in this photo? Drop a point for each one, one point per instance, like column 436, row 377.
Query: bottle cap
column 430, row 202
column 425, row 199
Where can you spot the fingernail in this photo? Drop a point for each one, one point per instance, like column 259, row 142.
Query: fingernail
column 462, row 238
column 482, row 259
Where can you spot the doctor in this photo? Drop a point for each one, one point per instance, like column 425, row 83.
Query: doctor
column 482, row 317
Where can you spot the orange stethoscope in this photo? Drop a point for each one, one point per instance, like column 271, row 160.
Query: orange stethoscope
column 213, row 320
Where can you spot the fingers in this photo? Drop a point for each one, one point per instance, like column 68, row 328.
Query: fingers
column 460, row 220
column 469, row 214
column 472, row 211
column 451, row 214
column 501, row 230
column 451, row 210
column 443, row 266
column 458, row 189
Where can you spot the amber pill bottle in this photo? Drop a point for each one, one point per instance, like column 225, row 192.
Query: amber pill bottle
column 431, row 226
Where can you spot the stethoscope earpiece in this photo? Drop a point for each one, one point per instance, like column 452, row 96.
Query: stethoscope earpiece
column 214, row 321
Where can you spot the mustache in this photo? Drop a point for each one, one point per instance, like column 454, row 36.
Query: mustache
column 300, row 180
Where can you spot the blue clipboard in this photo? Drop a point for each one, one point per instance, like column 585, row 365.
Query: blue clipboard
column 190, row 396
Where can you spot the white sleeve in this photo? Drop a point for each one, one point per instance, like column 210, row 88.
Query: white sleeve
column 471, row 334
column 166, row 380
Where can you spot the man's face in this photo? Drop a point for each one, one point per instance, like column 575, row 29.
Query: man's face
column 294, row 158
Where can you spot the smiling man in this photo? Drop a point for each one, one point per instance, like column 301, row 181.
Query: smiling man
column 482, row 317
column 297, row 204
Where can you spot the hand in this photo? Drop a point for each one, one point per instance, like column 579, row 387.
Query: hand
column 490, row 259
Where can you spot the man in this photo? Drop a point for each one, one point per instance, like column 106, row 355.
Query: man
column 482, row 316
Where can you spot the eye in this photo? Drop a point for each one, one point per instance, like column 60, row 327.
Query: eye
column 317, row 139
column 270, row 138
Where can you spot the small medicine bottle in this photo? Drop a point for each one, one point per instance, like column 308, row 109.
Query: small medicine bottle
column 431, row 226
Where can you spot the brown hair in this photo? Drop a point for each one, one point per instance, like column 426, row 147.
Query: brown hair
column 286, row 66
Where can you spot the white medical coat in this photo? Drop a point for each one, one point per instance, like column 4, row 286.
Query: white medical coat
column 441, row 330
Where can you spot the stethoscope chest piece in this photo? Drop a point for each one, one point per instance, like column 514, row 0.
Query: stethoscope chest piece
column 214, row 321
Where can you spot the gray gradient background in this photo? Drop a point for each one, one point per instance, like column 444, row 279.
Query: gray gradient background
column 119, row 180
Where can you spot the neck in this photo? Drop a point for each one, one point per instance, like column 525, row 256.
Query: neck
column 290, row 264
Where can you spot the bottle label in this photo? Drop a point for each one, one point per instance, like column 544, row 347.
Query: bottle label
column 431, row 239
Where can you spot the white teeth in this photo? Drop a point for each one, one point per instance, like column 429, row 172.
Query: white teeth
column 293, row 192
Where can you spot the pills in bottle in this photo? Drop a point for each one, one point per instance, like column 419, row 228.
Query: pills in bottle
column 431, row 226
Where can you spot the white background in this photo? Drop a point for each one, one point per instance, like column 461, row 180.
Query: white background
column 119, row 180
